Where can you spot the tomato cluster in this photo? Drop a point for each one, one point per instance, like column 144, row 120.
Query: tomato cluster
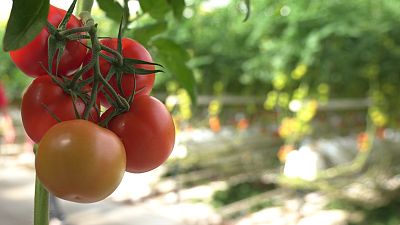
column 31, row 57
column 83, row 153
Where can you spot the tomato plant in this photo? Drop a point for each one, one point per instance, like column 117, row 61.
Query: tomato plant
column 34, row 55
column 80, row 161
column 147, row 131
column 130, row 49
column 44, row 102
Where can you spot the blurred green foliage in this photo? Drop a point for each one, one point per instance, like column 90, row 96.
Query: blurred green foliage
column 295, row 50
column 295, row 47
column 240, row 191
column 385, row 215
column 337, row 42
column 11, row 77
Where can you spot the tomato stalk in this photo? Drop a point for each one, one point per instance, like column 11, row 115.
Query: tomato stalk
column 117, row 55
column 84, row 5
column 119, row 99
column 91, row 28
column 53, row 31
column 121, row 103
column 41, row 199
column 76, row 37
column 75, row 30
column 41, row 205
column 126, row 15
column 41, row 202
column 95, row 60
column 79, row 74
column 132, row 96
column 98, row 77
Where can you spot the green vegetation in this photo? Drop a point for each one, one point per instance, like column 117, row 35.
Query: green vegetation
column 241, row 191
column 386, row 215
column 10, row 76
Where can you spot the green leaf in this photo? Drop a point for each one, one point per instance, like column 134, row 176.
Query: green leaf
column 54, row 47
column 74, row 98
column 112, row 9
column 175, row 59
column 51, row 49
column 60, row 52
column 137, row 71
column 131, row 61
column 145, row 33
column 107, row 58
column 119, row 44
column 26, row 20
column 118, row 75
column 67, row 16
column 155, row 8
column 177, row 7
column 247, row 4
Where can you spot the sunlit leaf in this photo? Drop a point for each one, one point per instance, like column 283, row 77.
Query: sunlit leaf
column 247, row 3
column 26, row 20
column 177, row 7
column 155, row 8
column 175, row 58
column 112, row 9
column 145, row 33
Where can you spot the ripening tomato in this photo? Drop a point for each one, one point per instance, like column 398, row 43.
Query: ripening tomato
column 130, row 49
column 147, row 131
column 30, row 57
column 44, row 100
column 80, row 161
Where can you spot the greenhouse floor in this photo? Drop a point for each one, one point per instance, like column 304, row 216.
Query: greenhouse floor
column 17, row 190
column 16, row 204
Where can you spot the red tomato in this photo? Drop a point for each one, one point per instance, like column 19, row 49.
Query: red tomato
column 130, row 49
column 80, row 161
column 147, row 131
column 30, row 57
column 42, row 100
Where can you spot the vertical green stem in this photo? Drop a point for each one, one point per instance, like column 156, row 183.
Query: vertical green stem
column 84, row 5
column 41, row 205
column 95, row 60
column 126, row 15
column 41, row 202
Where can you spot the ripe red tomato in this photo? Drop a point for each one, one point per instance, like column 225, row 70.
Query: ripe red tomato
column 80, row 161
column 42, row 100
column 130, row 49
column 147, row 131
column 30, row 57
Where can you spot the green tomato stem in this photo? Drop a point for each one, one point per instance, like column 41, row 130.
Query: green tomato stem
column 41, row 205
column 104, row 122
column 87, row 18
column 98, row 77
column 132, row 96
column 80, row 73
column 84, row 5
column 120, row 100
column 95, row 62
column 41, row 202
column 118, row 56
column 84, row 9
column 77, row 37
column 76, row 30
column 126, row 15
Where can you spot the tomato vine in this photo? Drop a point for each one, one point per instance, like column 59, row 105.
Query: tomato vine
column 61, row 97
